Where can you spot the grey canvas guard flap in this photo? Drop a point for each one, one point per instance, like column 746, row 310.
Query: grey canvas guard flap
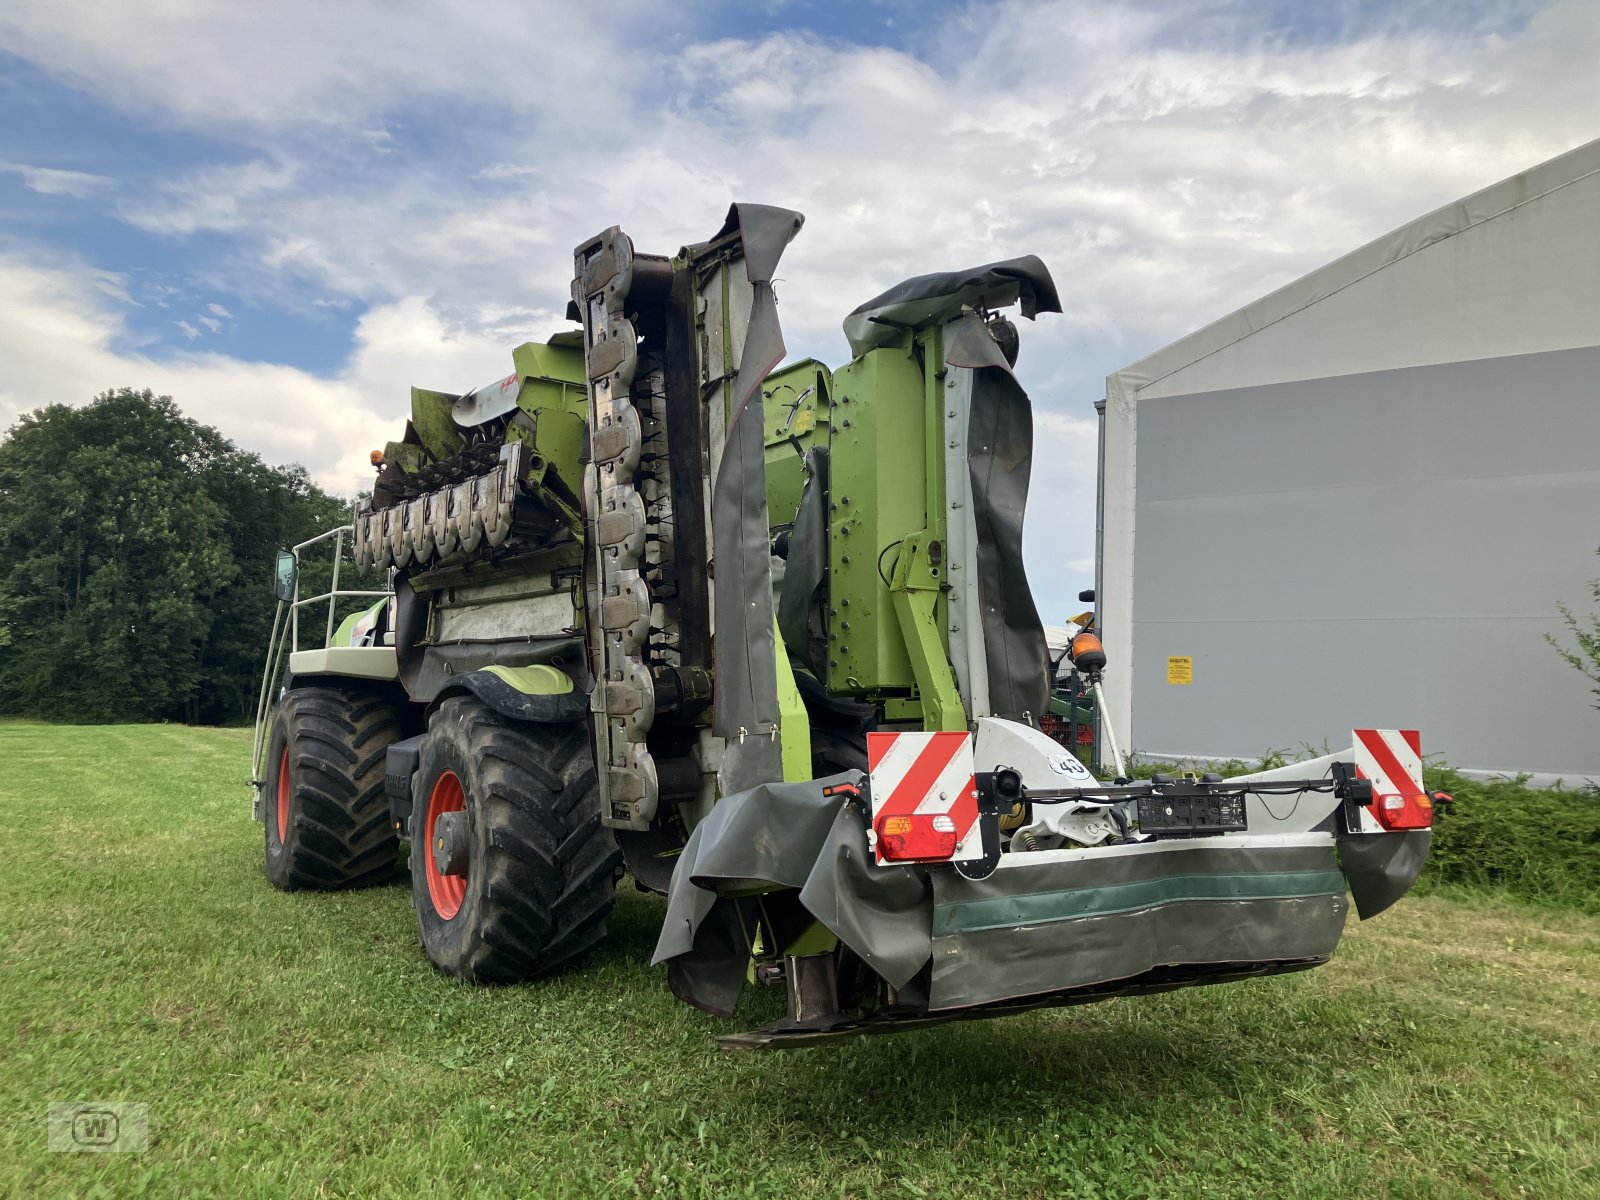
column 788, row 836
column 1382, row 867
column 746, row 689
column 934, row 299
column 1000, row 461
column 1043, row 927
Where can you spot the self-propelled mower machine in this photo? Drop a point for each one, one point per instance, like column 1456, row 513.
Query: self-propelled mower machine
column 762, row 639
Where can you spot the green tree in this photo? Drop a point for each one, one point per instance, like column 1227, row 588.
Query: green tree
column 266, row 508
column 1585, row 631
column 135, row 559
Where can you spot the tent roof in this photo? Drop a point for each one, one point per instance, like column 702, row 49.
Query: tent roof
column 1457, row 217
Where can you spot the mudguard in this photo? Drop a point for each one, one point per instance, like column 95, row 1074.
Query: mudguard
column 537, row 693
column 1382, row 867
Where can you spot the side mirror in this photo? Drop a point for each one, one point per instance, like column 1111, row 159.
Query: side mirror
column 286, row 575
column 1086, row 596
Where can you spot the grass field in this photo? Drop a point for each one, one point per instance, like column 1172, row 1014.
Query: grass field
column 300, row 1043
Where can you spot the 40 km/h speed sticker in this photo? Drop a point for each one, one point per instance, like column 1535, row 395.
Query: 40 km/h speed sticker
column 1068, row 765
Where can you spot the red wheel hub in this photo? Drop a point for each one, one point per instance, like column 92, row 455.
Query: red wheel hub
column 284, row 792
column 446, row 891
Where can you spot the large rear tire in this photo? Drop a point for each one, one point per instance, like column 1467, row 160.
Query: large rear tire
column 835, row 750
column 327, row 817
column 525, row 884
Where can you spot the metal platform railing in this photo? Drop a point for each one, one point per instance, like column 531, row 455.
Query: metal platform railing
column 285, row 639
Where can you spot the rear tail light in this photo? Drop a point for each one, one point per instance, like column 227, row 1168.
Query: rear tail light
column 1404, row 812
column 917, row 837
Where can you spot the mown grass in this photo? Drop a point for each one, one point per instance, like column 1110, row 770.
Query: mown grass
column 299, row 1044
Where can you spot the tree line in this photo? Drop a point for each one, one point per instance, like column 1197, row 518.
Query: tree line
column 136, row 556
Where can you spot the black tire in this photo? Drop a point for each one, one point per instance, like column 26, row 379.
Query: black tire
column 837, row 750
column 838, row 728
column 336, row 831
column 541, row 870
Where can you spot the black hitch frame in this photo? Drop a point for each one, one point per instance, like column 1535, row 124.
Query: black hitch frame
column 1162, row 806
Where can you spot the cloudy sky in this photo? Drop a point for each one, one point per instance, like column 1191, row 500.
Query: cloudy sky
column 286, row 213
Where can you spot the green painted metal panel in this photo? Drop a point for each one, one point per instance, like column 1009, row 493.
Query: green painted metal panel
column 558, row 441
column 1040, row 907
column 552, row 377
column 797, row 408
column 794, row 726
column 815, row 939
column 554, row 403
column 878, row 476
column 430, row 417
column 915, row 588
column 557, row 359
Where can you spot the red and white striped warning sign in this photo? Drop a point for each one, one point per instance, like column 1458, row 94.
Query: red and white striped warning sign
column 1392, row 760
column 923, row 776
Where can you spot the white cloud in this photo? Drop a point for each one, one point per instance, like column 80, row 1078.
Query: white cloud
column 217, row 310
column 210, row 323
column 59, row 335
column 1169, row 162
column 217, row 199
column 110, row 283
column 338, row 67
column 51, row 181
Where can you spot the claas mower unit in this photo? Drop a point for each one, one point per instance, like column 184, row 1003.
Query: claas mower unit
column 759, row 635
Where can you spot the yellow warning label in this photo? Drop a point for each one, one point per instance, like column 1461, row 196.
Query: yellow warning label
column 1180, row 669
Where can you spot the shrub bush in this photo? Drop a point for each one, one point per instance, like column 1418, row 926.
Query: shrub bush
column 1539, row 844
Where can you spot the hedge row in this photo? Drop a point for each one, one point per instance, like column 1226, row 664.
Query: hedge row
column 1540, row 844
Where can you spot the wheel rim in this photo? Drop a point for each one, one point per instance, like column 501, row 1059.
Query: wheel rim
column 284, row 791
column 446, row 891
